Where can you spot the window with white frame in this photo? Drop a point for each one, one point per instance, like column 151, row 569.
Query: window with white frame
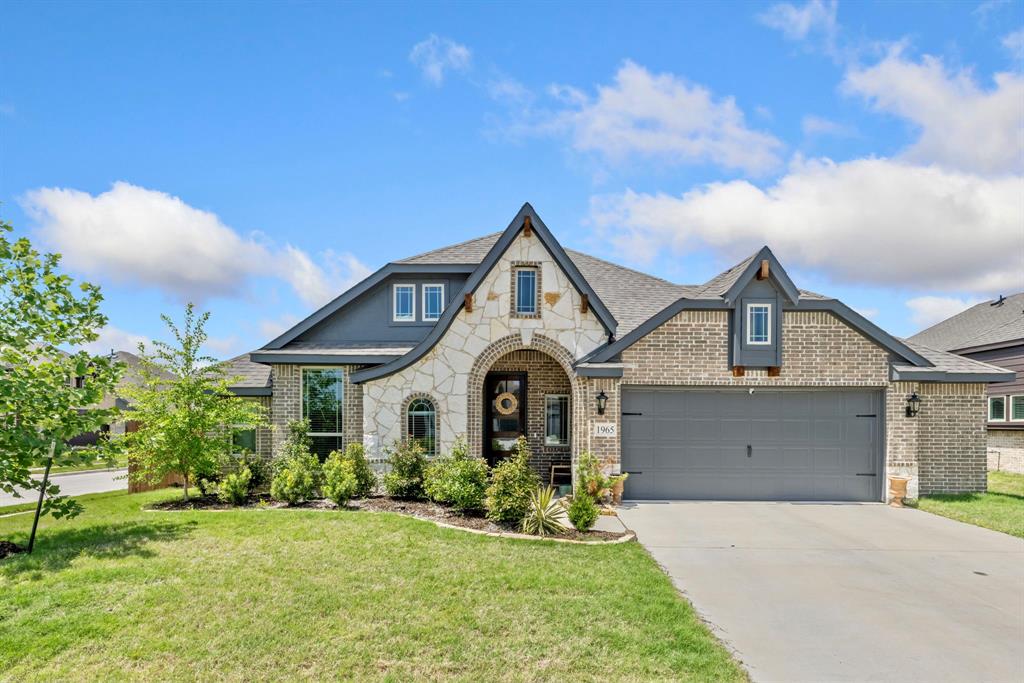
column 404, row 303
column 323, row 393
column 996, row 408
column 759, row 324
column 421, row 424
column 433, row 302
column 526, row 291
column 1017, row 408
column 556, row 420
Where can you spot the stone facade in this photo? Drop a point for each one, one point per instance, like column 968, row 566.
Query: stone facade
column 561, row 331
column 1006, row 450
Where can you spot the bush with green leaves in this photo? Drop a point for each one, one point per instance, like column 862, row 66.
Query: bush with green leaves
column 583, row 512
column 365, row 478
column 259, row 471
column 457, row 479
column 589, row 478
column 543, row 516
column 407, row 462
column 512, row 484
column 235, row 486
column 297, row 479
column 296, row 441
column 340, row 481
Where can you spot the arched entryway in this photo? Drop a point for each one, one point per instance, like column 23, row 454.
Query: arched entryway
column 530, row 389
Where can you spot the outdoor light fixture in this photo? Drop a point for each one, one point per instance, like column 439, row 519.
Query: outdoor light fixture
column 602, row 401
column 913, row 404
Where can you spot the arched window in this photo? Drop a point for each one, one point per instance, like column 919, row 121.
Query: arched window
column 421, row 424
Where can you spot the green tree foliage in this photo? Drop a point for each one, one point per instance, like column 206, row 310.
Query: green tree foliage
column 185, row 410
column 47, row 396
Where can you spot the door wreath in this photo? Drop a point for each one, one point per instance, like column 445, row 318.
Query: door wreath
column 506, row 403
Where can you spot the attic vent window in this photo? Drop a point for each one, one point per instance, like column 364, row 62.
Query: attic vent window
column 759, row 324
column 526, row 291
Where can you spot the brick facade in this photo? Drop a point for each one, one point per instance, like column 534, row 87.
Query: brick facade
column 544, row 376
column 286, row 404
column 951, row 438
column 1006, row 450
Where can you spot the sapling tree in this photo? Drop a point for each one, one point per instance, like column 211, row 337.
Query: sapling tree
column 186, row 413
column 49, row 391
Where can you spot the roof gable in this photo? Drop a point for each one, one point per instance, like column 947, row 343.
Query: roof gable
column 499, row 247
column 730, row 284
column 987, row 323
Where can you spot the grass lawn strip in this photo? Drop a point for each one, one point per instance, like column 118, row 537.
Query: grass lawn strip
column 124, row 594
column 1000, row 509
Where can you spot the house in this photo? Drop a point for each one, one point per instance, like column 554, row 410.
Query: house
column 992, row 332
column 744, row 387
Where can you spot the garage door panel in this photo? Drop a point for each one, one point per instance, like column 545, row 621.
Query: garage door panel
column 805, row 445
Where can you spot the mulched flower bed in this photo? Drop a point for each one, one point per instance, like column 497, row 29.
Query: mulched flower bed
column 7, row 549
column 414, row 508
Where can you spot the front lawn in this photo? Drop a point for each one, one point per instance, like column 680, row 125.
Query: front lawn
column 120, row 593
column 1001, row 509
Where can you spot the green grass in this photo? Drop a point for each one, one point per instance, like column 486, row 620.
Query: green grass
column 1001, row 509
column 120, row 593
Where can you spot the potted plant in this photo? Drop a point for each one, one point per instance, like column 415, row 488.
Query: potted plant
column 616, row 483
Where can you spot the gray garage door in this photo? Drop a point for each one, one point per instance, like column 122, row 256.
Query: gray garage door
column 765, row 445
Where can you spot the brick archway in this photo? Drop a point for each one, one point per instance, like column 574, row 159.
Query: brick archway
column 486, row 360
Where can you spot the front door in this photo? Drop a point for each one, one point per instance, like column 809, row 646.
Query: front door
column 504, row 413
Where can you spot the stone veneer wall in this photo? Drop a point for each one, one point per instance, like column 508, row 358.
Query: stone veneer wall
column 544, row 376
column 444, row 371
column 1006, row 450
column 286, row 403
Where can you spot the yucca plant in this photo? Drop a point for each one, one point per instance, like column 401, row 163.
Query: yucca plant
column 542, row 517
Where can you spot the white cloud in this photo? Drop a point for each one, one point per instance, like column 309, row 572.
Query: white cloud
column 814, row 126
column 815, row 18
column 657, row 116
column 867, row 221
column 141, row 236
column 869, row 313
column 224, row 347
column 113, row 338
column 1014, row 44
column 963, row 126
column 435, row 55
column 925, row 311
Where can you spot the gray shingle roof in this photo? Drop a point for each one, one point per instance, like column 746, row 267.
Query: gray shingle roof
column 250, row 375
column 979, row 325
column 468, row 252
column 720, row 284
column 949, row 362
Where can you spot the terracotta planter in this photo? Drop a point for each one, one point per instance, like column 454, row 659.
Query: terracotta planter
column 897, row 491
column 617, row 491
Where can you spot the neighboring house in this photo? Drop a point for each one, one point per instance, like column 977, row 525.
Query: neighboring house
column 131, row 376
column 993, row 332
column 743, row 387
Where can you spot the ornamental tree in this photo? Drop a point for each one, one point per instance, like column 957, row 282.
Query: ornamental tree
column 47, row 395
column 186, row 413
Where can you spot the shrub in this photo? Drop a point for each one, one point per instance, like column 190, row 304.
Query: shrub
column 366, row 480
column 297, row 479
column 297, row 441
column 589, row 478
column 259, row 474
column 542, row 516
column 405, row 478
column 512, row 484
column 234, row 488
column 457, row 479
column 340, row 480
column 583, row 512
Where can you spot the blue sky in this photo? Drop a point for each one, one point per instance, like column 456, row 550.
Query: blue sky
column 261, row 158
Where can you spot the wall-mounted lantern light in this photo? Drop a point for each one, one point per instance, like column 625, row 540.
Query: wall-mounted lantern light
column 913, row 404
column 602, row 401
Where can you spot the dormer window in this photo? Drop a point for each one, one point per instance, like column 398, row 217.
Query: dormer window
column 404, row 303
column 759, row 324
column 433, row 302
column 526, row 283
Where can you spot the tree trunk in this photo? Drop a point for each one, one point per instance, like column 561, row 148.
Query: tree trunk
column 186, row 485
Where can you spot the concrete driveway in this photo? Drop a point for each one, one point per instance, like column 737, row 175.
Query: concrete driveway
column 817, row 592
